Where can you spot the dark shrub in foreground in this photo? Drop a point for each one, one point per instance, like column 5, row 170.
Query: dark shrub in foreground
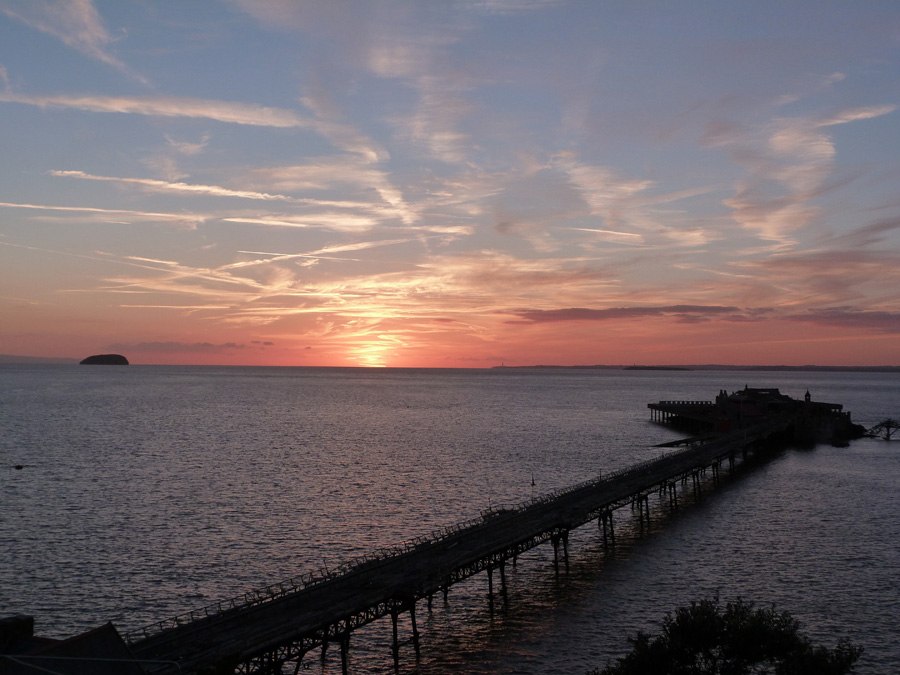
column 705, row 639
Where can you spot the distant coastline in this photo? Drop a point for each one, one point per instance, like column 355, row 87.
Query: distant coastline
column 715, row 366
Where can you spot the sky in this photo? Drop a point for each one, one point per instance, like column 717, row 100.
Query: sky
column 463, row 183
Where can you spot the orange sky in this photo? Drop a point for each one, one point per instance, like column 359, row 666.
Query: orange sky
column 460, row 185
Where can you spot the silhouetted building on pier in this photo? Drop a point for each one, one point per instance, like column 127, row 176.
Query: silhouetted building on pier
column 812, row 421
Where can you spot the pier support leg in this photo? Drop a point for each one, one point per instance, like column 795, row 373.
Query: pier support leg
column 609, row 538
column 345, row 656
column 415, row 628
column 446, row 590
column 647, row 509
column 555, row 540
column 565, row 541
column 395, row 649
column 490, row 573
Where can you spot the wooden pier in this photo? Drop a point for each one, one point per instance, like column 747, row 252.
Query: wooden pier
column 275, row 627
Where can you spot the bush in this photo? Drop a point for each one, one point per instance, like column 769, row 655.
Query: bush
column 702, row 639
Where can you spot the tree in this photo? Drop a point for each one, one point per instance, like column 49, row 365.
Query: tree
column 704, row 639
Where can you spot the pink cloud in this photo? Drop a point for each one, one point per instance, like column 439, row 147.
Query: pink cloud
column 176, row 347
column 848, row 317
column 684, row 313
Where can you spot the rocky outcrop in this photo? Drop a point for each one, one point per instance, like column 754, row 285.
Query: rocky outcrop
column 105, row 360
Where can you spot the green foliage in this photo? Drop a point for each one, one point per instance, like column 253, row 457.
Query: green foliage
column 704, row 639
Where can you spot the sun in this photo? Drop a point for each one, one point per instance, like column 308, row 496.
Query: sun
column 372, row 355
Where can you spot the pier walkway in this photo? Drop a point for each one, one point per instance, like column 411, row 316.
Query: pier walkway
column 273, row 628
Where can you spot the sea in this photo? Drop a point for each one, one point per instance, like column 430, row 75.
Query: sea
column 133, row 494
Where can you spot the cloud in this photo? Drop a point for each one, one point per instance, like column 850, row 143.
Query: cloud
column 151, row 260
column 325, row 253
column 855, row 114
column 603, row 189
column 75, row 22
column 188, row 148
column 189, row 220
column 441, row 109
column 867, row 235
column 170, row 106
column 476, row 277
column 405, row 42
column 177, row 347
column 816, row 84
column 342, row 173
column 155, row 185
column 831, row 276
column 338, row 222
column 848, row 317
column 509, row 6
column 788, row 162
column 684, row 313
column 625, row 203
column 530, row 202
column 352, row 216
column 611, row 235
column 344, row 136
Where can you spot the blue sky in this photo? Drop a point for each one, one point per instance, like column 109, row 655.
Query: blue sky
column 450, row 184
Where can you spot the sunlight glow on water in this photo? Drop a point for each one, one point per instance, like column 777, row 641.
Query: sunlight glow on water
column 149, row 491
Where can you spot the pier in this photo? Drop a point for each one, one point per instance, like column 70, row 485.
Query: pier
column 282, row 623
column 884, row 429
column 270, row 630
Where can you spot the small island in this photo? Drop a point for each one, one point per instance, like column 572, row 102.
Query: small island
column 105, row 360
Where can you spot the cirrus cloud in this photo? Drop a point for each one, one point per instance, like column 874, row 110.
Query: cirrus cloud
column 684, row 313
column 169, row 106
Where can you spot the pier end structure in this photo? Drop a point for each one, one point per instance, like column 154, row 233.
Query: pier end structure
column 810, row 421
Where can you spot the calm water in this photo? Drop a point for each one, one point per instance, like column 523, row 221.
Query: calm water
column 149, row 491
